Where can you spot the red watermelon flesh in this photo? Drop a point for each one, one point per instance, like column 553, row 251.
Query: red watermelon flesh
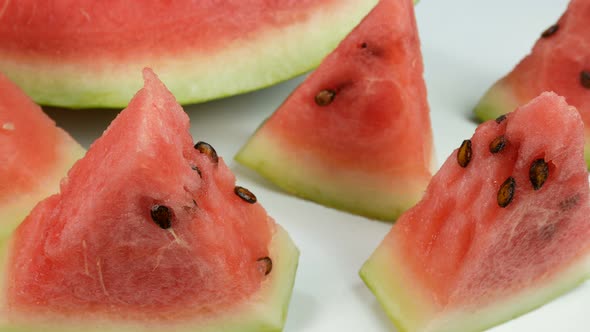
column 84, row 53
column 96, row 251
column 467, row 256
column 356, row 133
column 35, row 155
column 559, row 61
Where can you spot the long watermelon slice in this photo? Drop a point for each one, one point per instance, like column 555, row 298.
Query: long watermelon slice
column 148, row 233
column 85, row 53
column 34, row 154
column 559, row 61
column 503, row 228
column 355, row 135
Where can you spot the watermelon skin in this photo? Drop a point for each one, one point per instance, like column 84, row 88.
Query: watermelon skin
column 94, row 256
column 90, row 55
column 554, row 64
column 458, row 262
column 370, row 150
column 36, row 155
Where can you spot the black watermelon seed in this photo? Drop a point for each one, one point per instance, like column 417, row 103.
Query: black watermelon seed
column 506, row 192
column 501, row 118
column 245, row 194
column 325, row 97
column 585, row 79
column 195, row 168
column 207, row 149
column 550, row 31
column 364, row 45
column 498, row 144
column 464, row 153
column 162, row 216
column 538, row 173
column 264, row 265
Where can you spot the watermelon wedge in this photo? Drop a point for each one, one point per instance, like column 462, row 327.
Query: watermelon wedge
column 148, row 233
column 559, row 61
column 503, row 227
column 35, row 155
column 87, row 53
column 355, row 135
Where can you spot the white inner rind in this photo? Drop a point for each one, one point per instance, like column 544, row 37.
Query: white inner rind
column 15, row 210
column 244, row 65
column 373, row 195
column 411, row 311
column 265, row 311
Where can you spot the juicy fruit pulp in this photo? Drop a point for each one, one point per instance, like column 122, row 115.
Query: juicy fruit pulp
column 86, row 54
column 356, row 134
column 35, row 155
column 148, row 233
column 496, row 238
column 558, row 62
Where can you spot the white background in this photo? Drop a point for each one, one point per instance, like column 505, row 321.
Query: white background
column 467, row 45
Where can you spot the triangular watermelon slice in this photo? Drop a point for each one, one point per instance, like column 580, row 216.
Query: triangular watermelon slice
column 356, row 134
column 148, row 233
column 559, row 61
column 85, row 53
column 503, row 227
column 35, row 155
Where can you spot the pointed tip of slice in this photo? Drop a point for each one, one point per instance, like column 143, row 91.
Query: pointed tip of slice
column 155, row 97
column 151, row 82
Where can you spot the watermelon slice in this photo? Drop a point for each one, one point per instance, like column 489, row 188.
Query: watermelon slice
column 35, row 155
column 502, row 229
column 355, row 135
column 148, row 233
column 86, row 53
column 559, row 61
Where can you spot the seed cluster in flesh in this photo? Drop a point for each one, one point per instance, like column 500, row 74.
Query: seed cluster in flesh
column 163, row 215
column 538, row 172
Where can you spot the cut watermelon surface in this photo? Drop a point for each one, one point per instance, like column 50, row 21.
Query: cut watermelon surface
column 35, row 155
column 502, row 229
column 86, row 53
column 559, row 61
column 148, row 233
column 355, row 135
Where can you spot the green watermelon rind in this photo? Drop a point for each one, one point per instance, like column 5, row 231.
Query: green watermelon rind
column 264, row 154
column 266, row 311
column 192, row 78
column 407, row 309
column 13, row 212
